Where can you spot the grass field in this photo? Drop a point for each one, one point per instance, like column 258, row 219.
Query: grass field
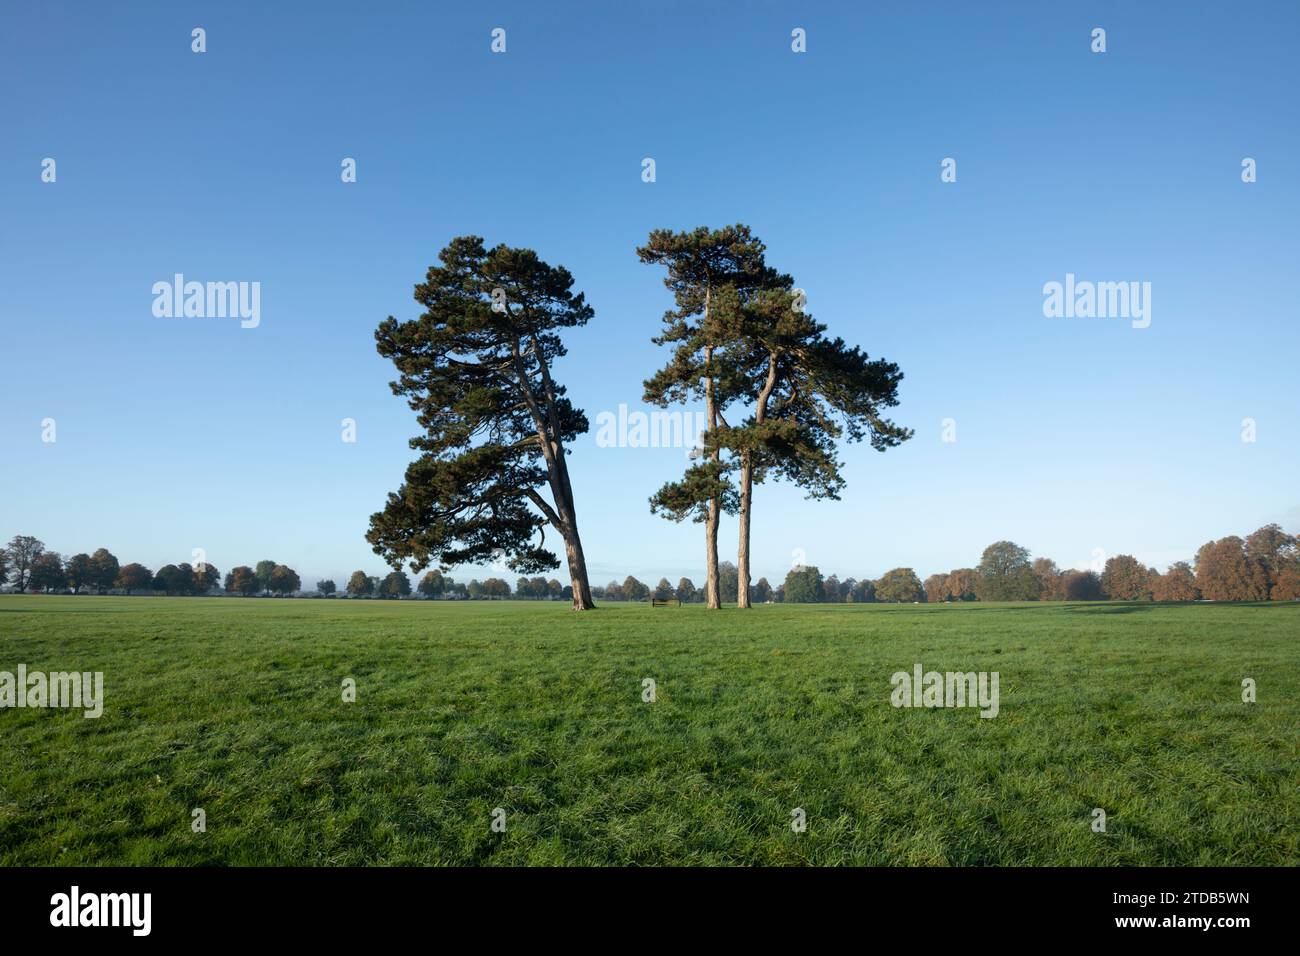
column 234, row 706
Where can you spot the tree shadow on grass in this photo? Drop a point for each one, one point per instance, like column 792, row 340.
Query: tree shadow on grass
column 1114, row 607
column 1110, row 607
column 1128, row 607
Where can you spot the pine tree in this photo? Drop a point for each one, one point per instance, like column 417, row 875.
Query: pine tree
column 701, row 263
column 804, row 392
column 476, row 367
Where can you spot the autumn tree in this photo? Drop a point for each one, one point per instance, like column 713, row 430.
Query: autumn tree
column 1051, row 587
column 700, row 264
column 936, row 588
column 1286, row 587
column 1279, row 554
column 1124, row 578
column 133, row 577
column 1225, row 572
column 1005, row 574
column 359, row 585
column 899, row 586
column 962, row 584
column 1176, row 584
column 243, row 581
column 476, row 368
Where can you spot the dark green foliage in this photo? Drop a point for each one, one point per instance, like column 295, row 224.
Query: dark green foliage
column 1005, row 574
column 702, row 264
column 395, row 585
column 79, row 572
column 1082, row 586
column 803, row 585
column 285, row 581
column 899, row 586
column 47, row 573
column 475, row 367
column 263, row 572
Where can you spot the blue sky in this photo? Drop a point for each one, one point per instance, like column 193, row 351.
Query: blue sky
column 1072, row 434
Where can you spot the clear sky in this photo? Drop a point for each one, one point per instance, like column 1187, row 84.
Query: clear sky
column 1073, row 434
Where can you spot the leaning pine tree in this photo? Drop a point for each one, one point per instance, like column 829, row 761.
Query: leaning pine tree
column 702, row 264
column 476, row 367
column 804, row 392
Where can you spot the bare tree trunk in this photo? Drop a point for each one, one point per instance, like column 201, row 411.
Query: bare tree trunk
column 747, row 488
column 563, row 516
column 742, row 551
column 578, row 573
column 565, row 520
column 582, row 600
column 712, row 597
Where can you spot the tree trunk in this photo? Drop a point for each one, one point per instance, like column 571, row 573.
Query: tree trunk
column 712, row 598
column 747, row 487
column 565, row 520
column 563, row 492
column 578, row 573
column 742, row 551
column 563, row 517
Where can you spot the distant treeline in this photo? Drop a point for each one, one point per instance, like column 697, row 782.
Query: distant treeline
column 1261, row 567
column 1264, row 566
column 26, row 565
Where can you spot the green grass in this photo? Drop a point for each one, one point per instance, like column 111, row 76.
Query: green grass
column 235, row 706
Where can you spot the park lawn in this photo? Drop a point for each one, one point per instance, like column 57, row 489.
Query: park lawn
column 234, row 706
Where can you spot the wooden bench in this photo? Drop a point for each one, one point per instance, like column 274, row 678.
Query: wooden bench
column 671, row 602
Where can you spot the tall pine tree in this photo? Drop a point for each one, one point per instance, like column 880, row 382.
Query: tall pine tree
column 701, row 264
